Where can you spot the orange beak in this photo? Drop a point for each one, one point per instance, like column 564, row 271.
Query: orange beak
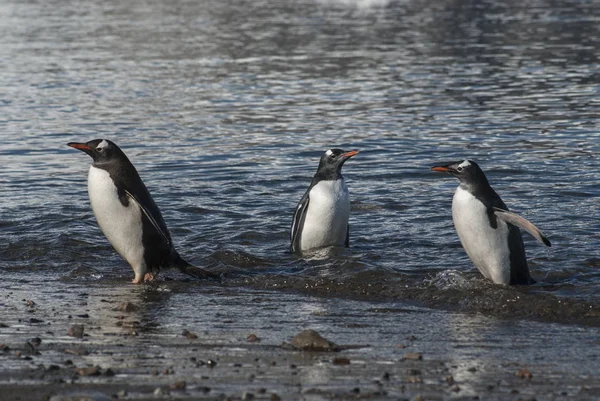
column 440, row 169
column 80, row 146
column 350, row 153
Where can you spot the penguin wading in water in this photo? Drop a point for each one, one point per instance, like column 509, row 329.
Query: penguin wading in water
column 321, row 217
column 489, row 233
column 127, row 214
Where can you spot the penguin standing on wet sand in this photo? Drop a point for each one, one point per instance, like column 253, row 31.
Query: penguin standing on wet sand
column 128, row 216
column 489, row 233
column 321, row 217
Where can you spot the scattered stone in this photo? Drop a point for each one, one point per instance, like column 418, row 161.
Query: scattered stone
column 34, row 320
column 126, row 307
column 262, row 390
column 455, row 388
column 109, row 372
column 211, row 363
column 30, row 303
column 77, row 351
column 310, row 340
column 178, row 385
column 412, row 356
column 385, row 376
column 524, row 374
column 189, row 334
column 88, row 371
column 159, row 391
column 275, row 397
column 36, row 341
column 472, row 369
column 252, row 338
column 84, row 316
column 411, row 338
column 414, row 379
column 355, row 390
column 449, row 380
column 122, row 394
column 414, row 372
column 81, row 396
column 401, row 346
column 3, row 325
column 30, row 349
column 52, row 368
column 247, row 396
column 341, row 361
column 76, row 331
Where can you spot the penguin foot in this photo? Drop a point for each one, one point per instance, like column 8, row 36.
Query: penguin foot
column 149, row 277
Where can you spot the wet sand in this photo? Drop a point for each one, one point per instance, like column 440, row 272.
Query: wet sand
column 190, row 341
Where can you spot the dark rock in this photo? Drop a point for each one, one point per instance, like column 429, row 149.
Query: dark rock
column 189, row 334
column 341, row 361
column 76, row 331
column 310, row 340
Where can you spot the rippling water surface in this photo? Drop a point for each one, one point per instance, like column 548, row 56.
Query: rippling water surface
column 226, row 106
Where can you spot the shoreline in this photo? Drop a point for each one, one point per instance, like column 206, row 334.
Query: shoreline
column 156, row 342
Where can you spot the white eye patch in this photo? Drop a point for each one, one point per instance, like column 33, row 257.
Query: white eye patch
column 102, row 145
column 464, row 164
column 329, row 152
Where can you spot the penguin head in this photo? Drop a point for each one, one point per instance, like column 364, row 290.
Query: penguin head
column 467, row 171
column 330, row 165
column 102, row 151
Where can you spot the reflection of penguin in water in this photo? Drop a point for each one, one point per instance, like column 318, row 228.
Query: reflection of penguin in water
column 127, row 215
column 321, row 217
column 488, row 232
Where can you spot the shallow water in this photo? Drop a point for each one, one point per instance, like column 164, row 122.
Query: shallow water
column 225, row 108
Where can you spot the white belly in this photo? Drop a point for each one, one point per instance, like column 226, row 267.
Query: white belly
column 122, row 225
column 487, row 247
column 326, row 221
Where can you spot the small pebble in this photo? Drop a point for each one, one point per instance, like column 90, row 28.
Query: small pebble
column 189, row 334
column 449, row 380
column 275, row 397
column 88, row 371
column 247, row 396
column 178, row 385
column 252, row 338
column 161, row 391
column 126, row 307
column 413, row 356
column 76, row 331
column 211, row 363
column 524, row 374
column 341, row 361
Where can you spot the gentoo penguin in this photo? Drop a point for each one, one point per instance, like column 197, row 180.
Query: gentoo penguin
column 127, row 215
column 489, row 233
column 321, row 217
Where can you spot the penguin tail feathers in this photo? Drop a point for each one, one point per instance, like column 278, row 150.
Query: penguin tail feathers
column 194, row 271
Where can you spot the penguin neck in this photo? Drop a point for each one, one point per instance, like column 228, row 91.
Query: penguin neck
column 481, row 190
column 328, row 175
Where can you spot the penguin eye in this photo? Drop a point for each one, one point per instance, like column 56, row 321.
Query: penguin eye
column 99, row 150
column 459, row 169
